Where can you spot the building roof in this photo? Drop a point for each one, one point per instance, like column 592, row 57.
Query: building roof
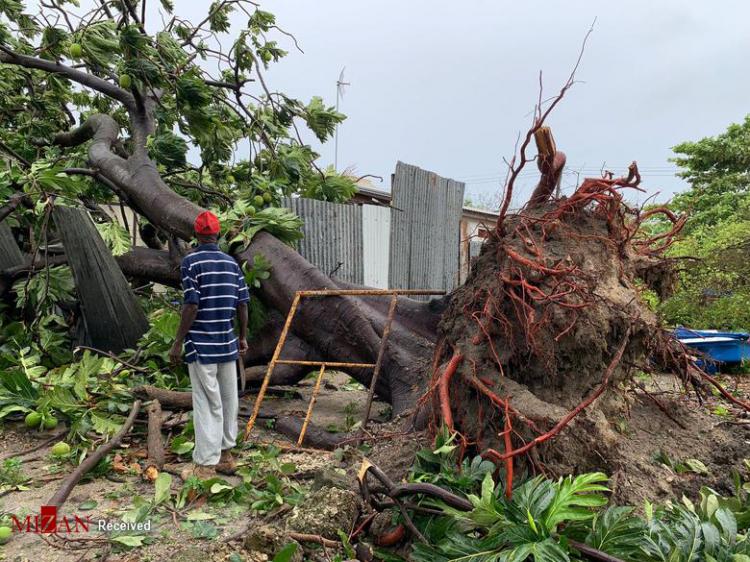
column 474, row 212
column 369, row 195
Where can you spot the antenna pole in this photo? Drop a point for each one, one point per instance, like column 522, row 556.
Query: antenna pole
column 339, row 92
column 336, row 132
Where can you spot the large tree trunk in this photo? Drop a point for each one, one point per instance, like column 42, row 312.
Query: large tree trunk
column 346, row 328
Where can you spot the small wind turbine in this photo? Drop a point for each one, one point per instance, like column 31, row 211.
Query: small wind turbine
column 339, row 94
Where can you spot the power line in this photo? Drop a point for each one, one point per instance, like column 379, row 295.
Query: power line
column 646, row 174
column 663, row 170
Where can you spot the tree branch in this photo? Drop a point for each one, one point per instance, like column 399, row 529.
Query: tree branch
column 8, row 150
column 104, row 131
column 13, row 202
column 90, row 81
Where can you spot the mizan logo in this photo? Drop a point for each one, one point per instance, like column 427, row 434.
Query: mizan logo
column 48, row 522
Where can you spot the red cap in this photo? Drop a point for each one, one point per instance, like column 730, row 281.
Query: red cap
column 206, row 223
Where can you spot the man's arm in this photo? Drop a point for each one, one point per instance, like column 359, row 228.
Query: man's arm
column 187, row 317
column 191, row 297
column 242, row 316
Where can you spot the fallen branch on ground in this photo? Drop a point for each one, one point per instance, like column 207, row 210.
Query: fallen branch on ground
column 154, row 442
column 315, row 437
column 303, row 537
column 93, row 459
column 35, row 448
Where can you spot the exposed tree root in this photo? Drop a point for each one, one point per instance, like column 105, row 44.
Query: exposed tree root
column 394, row 493
column 546, row 304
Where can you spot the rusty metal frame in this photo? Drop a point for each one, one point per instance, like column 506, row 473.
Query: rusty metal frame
column 275, row 359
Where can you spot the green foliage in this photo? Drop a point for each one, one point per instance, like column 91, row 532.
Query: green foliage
column 259, row 271
column 168, row 150
column 115, row 236
column 545, row 518
column 286, row 553
column 322, row 120
column 714, row 287
column 219, row 137
column 239, row 225
column 11, row 475
column 438, row 466
column 44, row 291
column 718, row 170
column 222, row 112
column 334, row 187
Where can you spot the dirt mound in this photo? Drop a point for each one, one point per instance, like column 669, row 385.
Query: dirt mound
column 557, row 345
column 537, row 348
column 653, row 458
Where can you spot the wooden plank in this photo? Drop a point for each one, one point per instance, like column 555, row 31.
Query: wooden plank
column 113, row 318
column 10, row 253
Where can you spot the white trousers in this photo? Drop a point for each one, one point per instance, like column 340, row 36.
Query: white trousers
column 214, row 409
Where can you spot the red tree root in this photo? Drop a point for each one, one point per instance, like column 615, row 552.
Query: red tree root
column 444, row 389
column 724, row 392
column 508, row 448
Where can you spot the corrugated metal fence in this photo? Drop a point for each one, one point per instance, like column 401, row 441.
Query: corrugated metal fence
column 425, row 230
column 414, row 244
column 333, row 237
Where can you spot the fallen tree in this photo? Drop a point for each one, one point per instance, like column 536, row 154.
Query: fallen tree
column 549, row 320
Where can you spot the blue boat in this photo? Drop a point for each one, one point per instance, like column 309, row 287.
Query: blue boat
column 720, row 347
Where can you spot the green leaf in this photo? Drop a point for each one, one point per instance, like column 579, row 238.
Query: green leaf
column 219, row 487
column 181, row 445
column 444, row 450
column 9, row 409
column 694, row 465
column 203, row 529
column 129, row 540
column 574, row 499
column 199, row 516
column 618, row 532
column 162, row 488
column 88, row 505
column 106, row 424
column 322, row 120
column 115, row 236
column 286, row 553
column 168, row 149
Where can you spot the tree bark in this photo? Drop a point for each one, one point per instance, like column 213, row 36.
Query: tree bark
column 154, row 441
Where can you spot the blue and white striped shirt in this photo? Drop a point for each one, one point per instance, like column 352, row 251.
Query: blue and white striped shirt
column 212, row 280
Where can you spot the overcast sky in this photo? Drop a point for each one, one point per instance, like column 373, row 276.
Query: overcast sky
column 449, row 85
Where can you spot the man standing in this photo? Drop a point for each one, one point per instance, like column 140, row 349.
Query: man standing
column 214, row 290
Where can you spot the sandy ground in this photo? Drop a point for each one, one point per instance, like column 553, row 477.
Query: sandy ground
column 339, row 406
column 714, row 433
